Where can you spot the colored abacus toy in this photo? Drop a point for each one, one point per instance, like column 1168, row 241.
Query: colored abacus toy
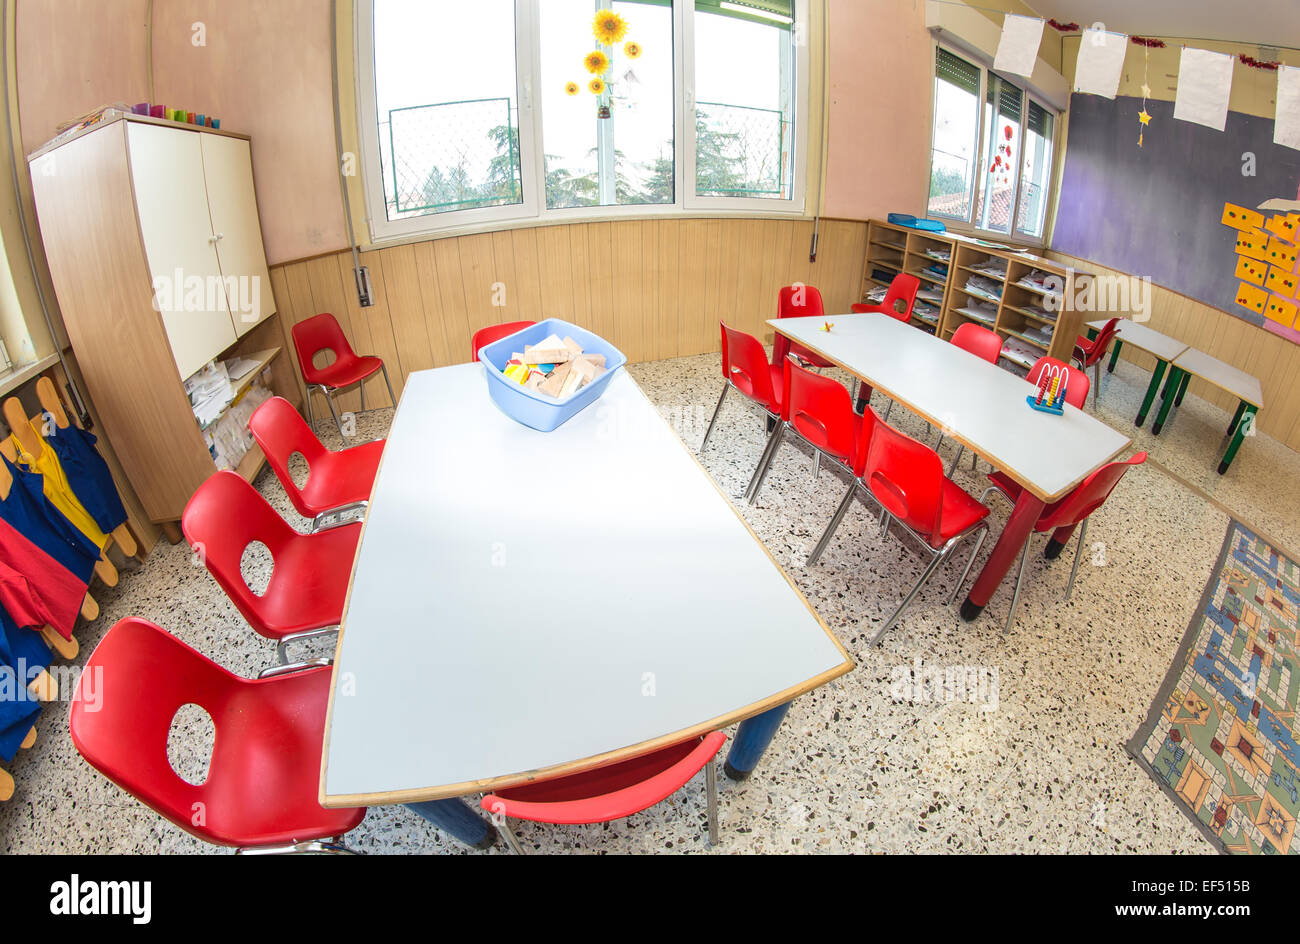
column 1052, row 384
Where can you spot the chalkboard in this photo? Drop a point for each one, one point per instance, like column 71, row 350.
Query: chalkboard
column 1156, row 210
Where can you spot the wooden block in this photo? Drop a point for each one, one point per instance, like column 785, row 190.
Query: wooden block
column 573, row 345
column 1281, row 310
column 547, row 355
column 1281, row 281
column 1252, row 297
column 553, row 384
column 572, row 381
column 597, row 359
column 1251, row 270
column 535, row 380
column 1254, row 244
column 587, row 370
column 1282, row 226
column 1241, row 218
column 1281, row 253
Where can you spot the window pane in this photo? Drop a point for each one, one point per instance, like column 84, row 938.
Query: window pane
column 445, row 95
column 955, row 136
column 744, row 94
column 612, row 146
column 1037, row 171
column 1002, row 108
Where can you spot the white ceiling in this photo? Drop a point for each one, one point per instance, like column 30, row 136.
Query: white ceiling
column 1270, row 22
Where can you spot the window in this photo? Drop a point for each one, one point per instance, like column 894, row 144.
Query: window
column 514, row 109
column 991, row 151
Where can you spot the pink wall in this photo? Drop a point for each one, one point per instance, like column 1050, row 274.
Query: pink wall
column 880, row 88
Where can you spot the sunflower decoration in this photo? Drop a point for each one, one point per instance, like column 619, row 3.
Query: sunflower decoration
column 596, row 86
column 632, row 50
column 608, row 27
column 571, row 88
column 596, row 62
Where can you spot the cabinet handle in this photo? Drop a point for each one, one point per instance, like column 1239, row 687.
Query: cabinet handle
column 216, row 236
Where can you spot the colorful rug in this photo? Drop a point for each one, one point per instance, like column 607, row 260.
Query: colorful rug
column 1221, row 738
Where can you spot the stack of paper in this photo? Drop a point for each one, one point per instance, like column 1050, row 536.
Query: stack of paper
column 210, row 391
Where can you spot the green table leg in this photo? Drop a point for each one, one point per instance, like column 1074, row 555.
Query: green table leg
column 1247, row 414
column 1182, row 389
column 1114, row 356
column 1167, row 398
column 1152, row 387
column 1236, row 417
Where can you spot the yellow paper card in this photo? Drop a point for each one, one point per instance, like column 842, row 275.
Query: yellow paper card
column 1282, row 226
column 1280, row 310
column 1241, row 218
column 1253, row 244
column 1251, row 270
column 1281, row 281
column 1281, row 254
column 1252, row 297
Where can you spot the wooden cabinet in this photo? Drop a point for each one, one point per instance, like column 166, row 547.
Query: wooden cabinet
column 152, row 236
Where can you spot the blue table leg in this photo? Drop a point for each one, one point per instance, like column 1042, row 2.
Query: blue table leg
column 456, row 819
column 752, row 738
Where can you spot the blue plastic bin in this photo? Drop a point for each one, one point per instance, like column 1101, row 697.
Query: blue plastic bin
column 529, row 407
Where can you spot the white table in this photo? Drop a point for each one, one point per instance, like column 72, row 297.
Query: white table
column 530, row 604
column 1245, row 387
column 977, row 403
column 1160, row 346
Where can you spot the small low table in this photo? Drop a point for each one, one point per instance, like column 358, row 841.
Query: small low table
column 1245, row 387
column 1160, row 346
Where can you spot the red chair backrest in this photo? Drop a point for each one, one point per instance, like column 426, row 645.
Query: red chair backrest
column 494, row 333
column 281, row 432
column 1076, row 393
column 820, row 409
column 319, row 333
column 1101, row 342
column 799, row 301
column 225, row 515
column 132, row 685
column 906, row 476
column 745, row 365
column 1088, row 495
column 903, row 289
column 979, row 340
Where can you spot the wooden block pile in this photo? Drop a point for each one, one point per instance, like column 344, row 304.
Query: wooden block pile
column 1269, row 280
column 556, row 367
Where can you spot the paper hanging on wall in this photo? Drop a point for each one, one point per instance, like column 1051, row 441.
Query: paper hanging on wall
column 1204, row 87
column 1286, row 127
column 1101, row 62
column 1018, row 47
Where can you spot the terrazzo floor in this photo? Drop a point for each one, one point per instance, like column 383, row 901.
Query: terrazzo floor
column 1035, row 765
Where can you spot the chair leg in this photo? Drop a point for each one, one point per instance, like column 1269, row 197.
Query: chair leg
column 362, row 387
column 391, row 398
column 1078, row 552
column 835, row 523
column 711, row 789
column 925, row 577
column 889, row 407
column 955, row 459
column 716, row 410
column 777, row 435
column 329, row 398
column 311, row 414
column 282, row 647
column 1015, row 594
column 817, row 463
column 511, row 839
column 979, row 542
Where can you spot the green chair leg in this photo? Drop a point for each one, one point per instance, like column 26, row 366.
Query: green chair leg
column 1152, row 387
column 1246, row 422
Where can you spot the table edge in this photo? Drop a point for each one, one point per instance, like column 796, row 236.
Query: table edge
column 1231, row 393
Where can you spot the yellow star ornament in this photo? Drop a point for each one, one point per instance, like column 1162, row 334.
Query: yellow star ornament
column 1144, row 117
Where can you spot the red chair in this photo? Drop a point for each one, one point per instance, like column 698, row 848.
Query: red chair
column 322, row 333
column 613, row 792
column 798, row 301
column 484, row 336
column 309, row 579
column 819, row 411
column 1076, row 391
column 263, row 778
column 336, row 481
column 906, row 477
column 1061, row 517
column 1090, row 353
column 903, row 289
column 746, row 369
column 980, row 341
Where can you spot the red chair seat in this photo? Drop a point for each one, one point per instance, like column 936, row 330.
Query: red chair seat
column 344, row 371
column 264, row 772
column 607, row 793
column 959, row 512
column 309, row 582
column 341, row 478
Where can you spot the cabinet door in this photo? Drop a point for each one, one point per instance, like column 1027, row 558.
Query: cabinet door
column 172, row 204
column 228, row 169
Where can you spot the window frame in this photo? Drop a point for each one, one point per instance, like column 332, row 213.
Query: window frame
column 969, row 226
column 533, row 210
